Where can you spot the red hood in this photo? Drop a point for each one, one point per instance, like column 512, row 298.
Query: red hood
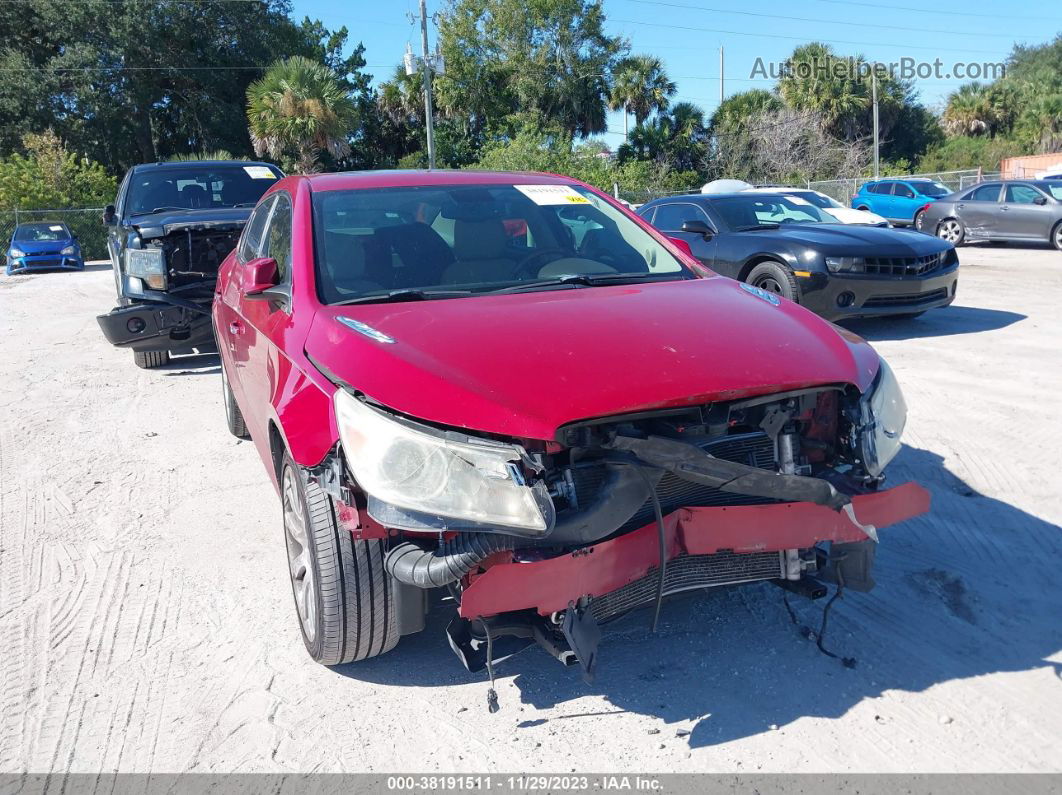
column 523, row 364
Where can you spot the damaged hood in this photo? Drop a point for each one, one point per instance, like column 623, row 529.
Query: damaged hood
column 524, row 364
column 167, row 221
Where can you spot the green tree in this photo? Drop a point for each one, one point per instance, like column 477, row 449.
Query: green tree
column 640, row 86
column 548, row 59
column 128, row 82
column 968, row 111
column 50, row 176
column 736, row 110
column 300, row 109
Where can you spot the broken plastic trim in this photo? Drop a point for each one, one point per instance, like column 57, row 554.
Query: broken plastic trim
column 689, row 462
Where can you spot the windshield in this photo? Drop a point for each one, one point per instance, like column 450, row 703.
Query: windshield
column 931, row 188
column 191, row 188
column 820, row 200
column 753, row 212
column 43, row 232
column 469, row 239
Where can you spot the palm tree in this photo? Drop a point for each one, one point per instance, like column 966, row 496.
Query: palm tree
column 299, row 106
column 640, row 86
column 968, row 111
column 737, row 109
column 401, row 99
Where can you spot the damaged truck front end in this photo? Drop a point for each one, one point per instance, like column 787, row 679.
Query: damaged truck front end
column 617, row 513
column 171, row 228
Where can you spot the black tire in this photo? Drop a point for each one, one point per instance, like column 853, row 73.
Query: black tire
column 774, row 277
column 917, row 223
column 148, row 360
column 953, row 230
column 233, row 415
column 353, row 599
column 863, row 208
column 1056, row 235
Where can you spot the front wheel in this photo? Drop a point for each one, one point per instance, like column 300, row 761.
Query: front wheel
column 148, row 360
column 952, row 230
column 1056, row 236
column 774, row 278
column 918, row 219
column 344, row 600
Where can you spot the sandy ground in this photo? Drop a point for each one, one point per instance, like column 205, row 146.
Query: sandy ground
column 146, row 621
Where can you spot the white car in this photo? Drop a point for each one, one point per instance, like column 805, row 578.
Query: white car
column 845, row 215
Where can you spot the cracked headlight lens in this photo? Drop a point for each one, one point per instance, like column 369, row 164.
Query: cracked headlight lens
column 884, row 417
column 439, row 474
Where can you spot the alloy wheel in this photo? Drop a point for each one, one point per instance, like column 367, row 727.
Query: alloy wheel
column 918, row 220
column 1058, row 237
column 769, row 284
column 296, row 537
column 950, row 230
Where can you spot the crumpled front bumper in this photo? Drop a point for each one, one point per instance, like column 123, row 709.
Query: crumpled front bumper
column 549, row 586
column 157, row 326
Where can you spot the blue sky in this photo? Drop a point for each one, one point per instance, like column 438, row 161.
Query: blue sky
column 687, row 34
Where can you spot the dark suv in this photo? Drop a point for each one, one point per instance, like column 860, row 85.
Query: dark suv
column 169, row 230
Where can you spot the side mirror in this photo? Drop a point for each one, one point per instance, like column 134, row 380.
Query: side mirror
column 108, row 215
column 698, row 228
column 1041, row 200
column 260, row 281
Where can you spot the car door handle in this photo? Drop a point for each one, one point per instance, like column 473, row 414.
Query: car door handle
column 959, row 206
column 235, row 328
column 1004, row 208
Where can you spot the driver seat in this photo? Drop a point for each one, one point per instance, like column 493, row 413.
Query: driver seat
column 479, row 249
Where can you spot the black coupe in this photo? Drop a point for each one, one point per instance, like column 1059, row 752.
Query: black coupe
column 786, row 245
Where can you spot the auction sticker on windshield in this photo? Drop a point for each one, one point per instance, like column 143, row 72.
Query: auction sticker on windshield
column 552, row 194
column 259, row 172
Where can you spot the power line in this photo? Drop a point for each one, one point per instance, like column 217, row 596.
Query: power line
column 917, row 10
column 759, row 35
column 818, row 20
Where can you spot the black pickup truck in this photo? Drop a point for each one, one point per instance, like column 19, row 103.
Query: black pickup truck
column 169, row 230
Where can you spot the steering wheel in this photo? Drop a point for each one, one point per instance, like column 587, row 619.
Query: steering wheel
column 523, row 268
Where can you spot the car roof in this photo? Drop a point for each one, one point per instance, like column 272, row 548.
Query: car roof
column 194, row 164
column 402, row 178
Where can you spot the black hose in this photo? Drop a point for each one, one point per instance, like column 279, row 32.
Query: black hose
column 434, row 568
column 661, row 539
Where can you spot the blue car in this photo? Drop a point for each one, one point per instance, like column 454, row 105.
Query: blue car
column 901, row 201
column 43, row 245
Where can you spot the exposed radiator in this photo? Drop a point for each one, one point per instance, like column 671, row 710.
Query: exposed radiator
column 690, row 572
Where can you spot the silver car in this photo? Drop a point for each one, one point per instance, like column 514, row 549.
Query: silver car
column 1007, row 211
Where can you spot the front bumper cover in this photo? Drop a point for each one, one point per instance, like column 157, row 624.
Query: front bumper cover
column 44, row 262
column 549, row 586
column 872, row 296
column 157, row 327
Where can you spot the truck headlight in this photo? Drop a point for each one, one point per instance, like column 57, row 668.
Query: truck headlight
column 148, row 264
column 438, row 473
column 884, row 415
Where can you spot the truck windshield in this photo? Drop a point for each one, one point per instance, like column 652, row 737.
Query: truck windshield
column 198, row 188
column 439, row 240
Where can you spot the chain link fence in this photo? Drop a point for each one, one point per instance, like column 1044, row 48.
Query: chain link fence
column 85, row 222
column 844, row 189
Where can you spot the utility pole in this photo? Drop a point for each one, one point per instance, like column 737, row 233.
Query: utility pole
column 425, row 67
column 874, row 96
column 720, row 74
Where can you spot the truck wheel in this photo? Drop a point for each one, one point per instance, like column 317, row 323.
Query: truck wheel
column 344, row 600
column 233, row 415
column 774, row 278
column 150, row 359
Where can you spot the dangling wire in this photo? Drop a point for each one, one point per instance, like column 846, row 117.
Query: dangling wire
column 662, row 544
column 809, row 633
column 492, row 694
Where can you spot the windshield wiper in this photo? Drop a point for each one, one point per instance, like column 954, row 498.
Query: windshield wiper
column 757, row 226
column 398, row 296
column 590, row 280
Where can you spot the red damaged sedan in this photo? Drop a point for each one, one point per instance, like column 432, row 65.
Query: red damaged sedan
column 510, row 387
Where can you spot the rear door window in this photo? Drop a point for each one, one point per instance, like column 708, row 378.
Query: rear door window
column 984, row 193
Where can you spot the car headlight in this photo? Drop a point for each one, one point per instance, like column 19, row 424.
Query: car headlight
column 148, row 264
column 69, row 251
column 884, row 415
column 15, row 253
column 440, row 474
column 837, row 264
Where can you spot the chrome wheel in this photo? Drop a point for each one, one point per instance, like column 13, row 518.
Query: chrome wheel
column 950, row 230
column 300, row 567
column 918, row 219
column 1058, row 237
